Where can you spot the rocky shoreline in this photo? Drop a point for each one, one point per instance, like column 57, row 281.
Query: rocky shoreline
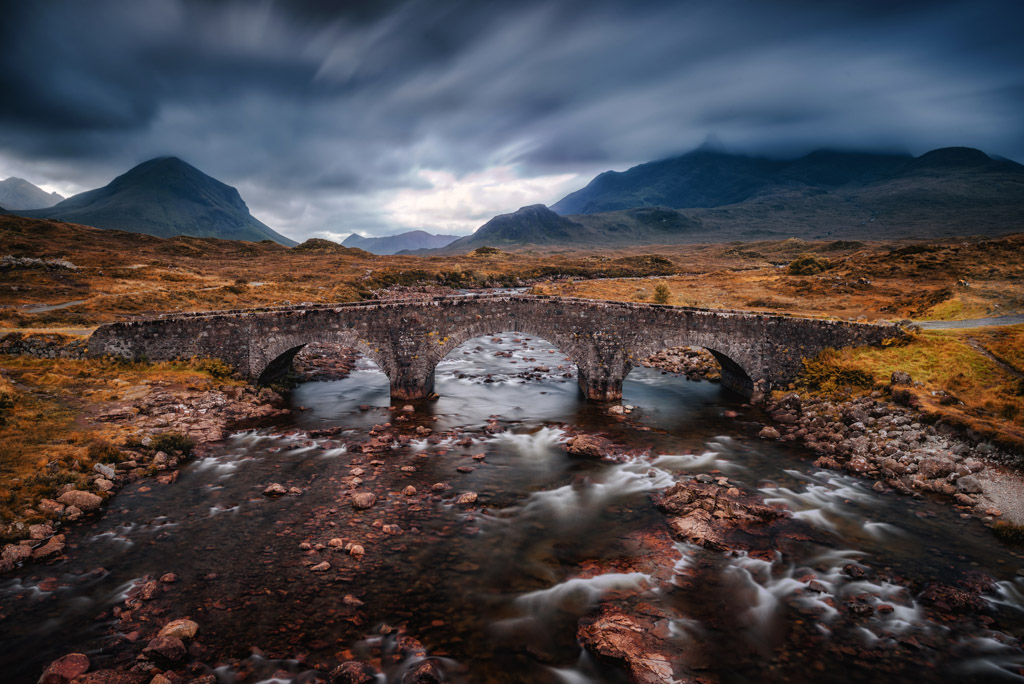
column 883, row 436
column 901, row 448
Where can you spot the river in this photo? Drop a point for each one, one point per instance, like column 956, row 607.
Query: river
column 494, row 590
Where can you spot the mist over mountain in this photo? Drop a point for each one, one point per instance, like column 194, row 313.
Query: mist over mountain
column 711, row 196
column 165, row 197
column 18, row 193
column 393, row 244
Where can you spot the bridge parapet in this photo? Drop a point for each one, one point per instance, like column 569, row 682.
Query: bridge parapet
column 407, row 338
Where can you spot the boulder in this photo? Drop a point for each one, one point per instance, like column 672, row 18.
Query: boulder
column 935, row 467
column 275, row 489
column 363, row 500
column 182, row 629
column 165, row 651
column 65, row 668
column 901, row 378
column 86, row 502
column 353, row 672
column 54, row 546
column 586, row 446
column 16, row 553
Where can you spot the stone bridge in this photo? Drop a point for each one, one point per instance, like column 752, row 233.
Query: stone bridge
column 407, row 338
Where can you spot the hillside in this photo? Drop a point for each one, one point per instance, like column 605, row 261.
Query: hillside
column 393, row 244
column 18, row 193
column 164, row 197
column 711, row 196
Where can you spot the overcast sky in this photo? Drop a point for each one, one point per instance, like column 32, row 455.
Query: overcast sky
column 391, row 116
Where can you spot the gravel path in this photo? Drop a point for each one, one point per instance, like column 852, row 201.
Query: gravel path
column 1015, row 319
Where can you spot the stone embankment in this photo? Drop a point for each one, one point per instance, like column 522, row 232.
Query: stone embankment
column 43, row 345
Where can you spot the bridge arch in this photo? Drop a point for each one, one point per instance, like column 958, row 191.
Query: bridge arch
column 272, row 357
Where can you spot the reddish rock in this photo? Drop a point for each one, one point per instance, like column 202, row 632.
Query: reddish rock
column 84, row 501
column 275, row 489
column 182, row 629
column 706, row 514
column 53, row 547
column 363, row 500
column 165, row 651
column 768, row 432
column 627, row 640
column 586, row 446
column 65, row 668
column 353, row 672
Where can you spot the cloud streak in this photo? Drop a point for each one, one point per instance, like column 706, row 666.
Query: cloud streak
column 389, row 116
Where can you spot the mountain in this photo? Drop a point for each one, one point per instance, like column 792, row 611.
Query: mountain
column 18, row 193
column 708, row 178
column 393, row 244
column 711, row 196
column 538, row 225
column 164, row 197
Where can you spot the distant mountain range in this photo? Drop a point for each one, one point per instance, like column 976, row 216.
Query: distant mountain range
column 393, row 244
column 712, row 196
column 18, row 193
column 164, row 197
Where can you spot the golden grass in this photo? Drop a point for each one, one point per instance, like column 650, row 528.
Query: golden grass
column 982, row 395
column 128, row 274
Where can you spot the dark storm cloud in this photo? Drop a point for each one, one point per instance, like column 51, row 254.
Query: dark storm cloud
column 332, row 117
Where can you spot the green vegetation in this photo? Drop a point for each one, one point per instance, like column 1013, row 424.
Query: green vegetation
column 808, row 264
column 662, row 294
column 832, row 373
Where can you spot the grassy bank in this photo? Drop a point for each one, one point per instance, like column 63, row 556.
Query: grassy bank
column 51, row 436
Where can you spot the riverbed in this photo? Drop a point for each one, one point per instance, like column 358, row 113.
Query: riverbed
column 492, row 587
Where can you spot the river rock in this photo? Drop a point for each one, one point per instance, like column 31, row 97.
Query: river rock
column 422, row 673
column 165, row 651
column 627, row 640
column 50, row 508
column 357, row 551
column 182, row 629
column 275, row 489
column 706, row 514
column 467, row 498
column 363, row 500
column 84, row 501
column 65, row 668
column 53, row 547
column 353, row 672
column 409, row 491
column 935, row 467
column 105, row 470
column 323, row 566
column 16, row 553
column 586, row 446
column 969, row 484
column 768, row 432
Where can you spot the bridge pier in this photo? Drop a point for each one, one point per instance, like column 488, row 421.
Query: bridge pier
column 407, row 385
column 600, row 384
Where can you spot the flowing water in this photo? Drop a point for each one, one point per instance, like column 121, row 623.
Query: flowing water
column 494, row 591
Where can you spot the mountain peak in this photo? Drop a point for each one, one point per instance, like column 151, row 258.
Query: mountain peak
column 18, row 193
column 166, row 196
column 954, row 156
